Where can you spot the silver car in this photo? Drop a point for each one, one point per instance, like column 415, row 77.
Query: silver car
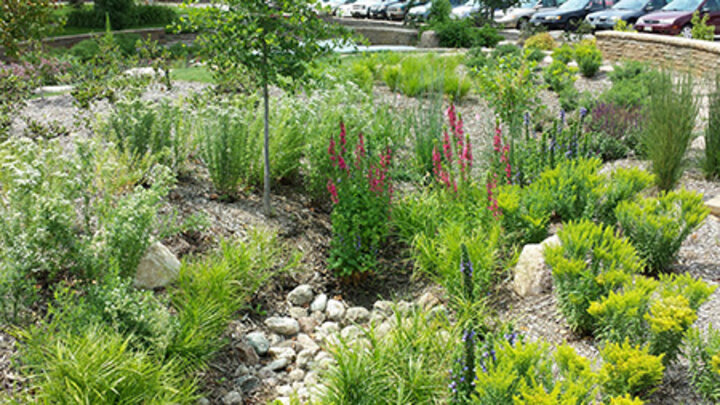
column 518, row 17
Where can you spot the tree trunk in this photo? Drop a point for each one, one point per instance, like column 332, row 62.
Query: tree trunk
column 267, row 209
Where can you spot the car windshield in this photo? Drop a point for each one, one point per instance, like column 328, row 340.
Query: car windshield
column 629, row 5
column 574, row 4
column 683, row 5
column 470, row 3
column 527, row 4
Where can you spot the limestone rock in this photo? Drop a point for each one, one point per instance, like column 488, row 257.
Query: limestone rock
column 306, row 342
column 319, row 303
column 247, row 383
column 296, row 375
column 247, row 354
column 531, row 275
column 307, row 324
column 357, row 315
column 301, row 295
column 258, row 341
column 298, row 312
column 157, row 268
column 282, row 352
column 284, row 326
column 427, row 301
column 335, row 310
column 232, row 398
column 714, row 205
column 383, row 307
column 429, row 39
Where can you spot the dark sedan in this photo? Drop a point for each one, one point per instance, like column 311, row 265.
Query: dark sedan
column 626, row 10
column 570, row 14
column 675, row 18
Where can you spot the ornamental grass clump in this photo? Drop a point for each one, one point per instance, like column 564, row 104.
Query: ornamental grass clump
column 667, row 131
column 361, row 190
column 591, row 262
column 658, row 226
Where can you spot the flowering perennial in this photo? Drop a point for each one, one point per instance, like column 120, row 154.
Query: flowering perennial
column 455, row 162
column 360, row 188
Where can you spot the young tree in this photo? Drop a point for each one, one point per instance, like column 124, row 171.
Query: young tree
column 272, row 40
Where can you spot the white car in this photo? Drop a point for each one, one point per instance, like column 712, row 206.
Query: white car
column 361, row 8
column 519, row 16
column 345, row 9
column 467, row 10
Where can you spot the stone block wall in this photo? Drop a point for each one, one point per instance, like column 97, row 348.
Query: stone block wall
column 699, row 57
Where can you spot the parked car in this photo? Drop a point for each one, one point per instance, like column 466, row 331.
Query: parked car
column 569, row 15
column 345, row 9
column 379, row 9
column 399, row 9
column 467, row 10
column 361, row 8
column 518, row 17
column 336, row 4
column 626, row 10
column 674, row 18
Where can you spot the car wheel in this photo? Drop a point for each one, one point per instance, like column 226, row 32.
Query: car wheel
column 522, row 23
column 686, row 31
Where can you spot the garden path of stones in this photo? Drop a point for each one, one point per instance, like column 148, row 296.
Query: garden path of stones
column 286, row 354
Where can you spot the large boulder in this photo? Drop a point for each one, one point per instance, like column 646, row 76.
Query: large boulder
column 157, row 268
column 301, row 295
column 429, row 39
column 531, row 274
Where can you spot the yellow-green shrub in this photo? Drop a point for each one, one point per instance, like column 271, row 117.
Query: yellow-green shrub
column 591, row 262
column 543, row 41
column 658, row 226
column 629, row 370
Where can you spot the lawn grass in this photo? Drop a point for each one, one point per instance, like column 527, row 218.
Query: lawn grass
column 199, row 74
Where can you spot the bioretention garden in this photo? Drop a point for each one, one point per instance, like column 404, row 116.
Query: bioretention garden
column 249, row 217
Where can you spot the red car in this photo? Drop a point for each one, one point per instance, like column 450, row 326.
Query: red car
column 674, row 18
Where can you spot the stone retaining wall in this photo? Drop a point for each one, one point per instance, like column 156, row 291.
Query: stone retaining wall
column 699, row 57
column 380, row 32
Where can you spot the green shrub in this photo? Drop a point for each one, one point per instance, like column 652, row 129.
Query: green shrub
column 509, row 86
column 59, row 364
column 591, row 263
column 700, row 28
column 622, row 184
column 588, row 57
column 543, row 41
column 629, row 370
column 228, row 148
column 521, row 223
column 568, row 190
column 711, row 161
column 564, row 53
column 559, row 75
column 61, row 223
column 658, row 226
column 630, row 84
column 475, row 58
column 85, row 50
column 703, row 353
column 463, row 34
column 439, row 11
column 150, row 14
column 119, row 12
column 163, row 131
column 667, row 127
column 408, row 365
